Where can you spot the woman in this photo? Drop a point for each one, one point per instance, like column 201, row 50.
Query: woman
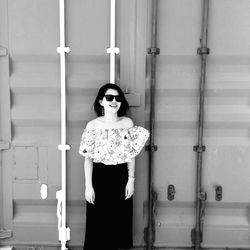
column 109, row 144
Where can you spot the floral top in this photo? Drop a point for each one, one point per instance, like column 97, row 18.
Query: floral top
column 113, row 146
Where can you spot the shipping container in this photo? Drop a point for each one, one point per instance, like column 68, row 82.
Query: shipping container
column 30, row 120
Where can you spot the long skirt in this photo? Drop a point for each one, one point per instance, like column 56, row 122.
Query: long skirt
column 109, row 220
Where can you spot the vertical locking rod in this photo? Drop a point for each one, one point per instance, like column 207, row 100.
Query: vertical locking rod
column 64, row 233
column 203, row 51
column 152, row 195
column 112, row 50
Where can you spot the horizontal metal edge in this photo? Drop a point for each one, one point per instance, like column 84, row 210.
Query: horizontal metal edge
column 3, row 51
column 4, row 234
column 4, row 145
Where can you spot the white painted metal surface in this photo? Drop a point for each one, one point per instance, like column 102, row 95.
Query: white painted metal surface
column 112, row 50
column 64, row 232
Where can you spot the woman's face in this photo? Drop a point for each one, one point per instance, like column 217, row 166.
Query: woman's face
column 109, row 103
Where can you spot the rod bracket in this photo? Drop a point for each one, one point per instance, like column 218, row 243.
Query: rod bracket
column 153, row 50
column 63, row 49
column 203, row 51
column 199, row 149
column 196, row 237
column 151, row 148
column 64, row 233
column 113, row 50
column 203, row 196
column 63, row 147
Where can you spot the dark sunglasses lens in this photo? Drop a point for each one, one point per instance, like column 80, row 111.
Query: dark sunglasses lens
column 110, row 98
column 118, row 98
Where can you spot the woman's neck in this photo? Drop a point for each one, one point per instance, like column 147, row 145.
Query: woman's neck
column 110, row 118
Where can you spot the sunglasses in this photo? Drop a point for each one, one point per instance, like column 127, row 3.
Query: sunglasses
column 110, row 98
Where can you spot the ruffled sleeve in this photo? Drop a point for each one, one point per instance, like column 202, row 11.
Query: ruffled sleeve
column 87, row 144
column 138, row 137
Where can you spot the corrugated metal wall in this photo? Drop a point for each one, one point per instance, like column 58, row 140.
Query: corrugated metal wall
column 226, row 134
column 31, row 121
column 35, row 118
column 5, row 127
column 33, row 33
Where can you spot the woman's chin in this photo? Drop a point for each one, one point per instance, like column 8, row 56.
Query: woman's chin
column 112, row 110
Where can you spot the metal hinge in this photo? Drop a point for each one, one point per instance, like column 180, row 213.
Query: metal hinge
column 3, row 51
column 4, row 234
column 4, row 145
column 203, row 51
column 151, row 148
column 153, row 50
column 199, row 149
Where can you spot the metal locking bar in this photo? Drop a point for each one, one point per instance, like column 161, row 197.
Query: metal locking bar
column 203, row 51
column 64, row 232
column 112, row 50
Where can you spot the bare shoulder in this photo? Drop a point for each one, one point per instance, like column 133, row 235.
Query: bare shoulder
column 127, row 122
column 92, row 124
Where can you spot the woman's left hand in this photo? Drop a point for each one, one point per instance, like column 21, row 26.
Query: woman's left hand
column 130, row 187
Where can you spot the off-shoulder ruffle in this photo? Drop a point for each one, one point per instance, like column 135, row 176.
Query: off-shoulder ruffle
column 113, row 146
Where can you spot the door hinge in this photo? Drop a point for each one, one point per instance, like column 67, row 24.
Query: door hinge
column 3, row 51
column 4, row 145
column 4, row 234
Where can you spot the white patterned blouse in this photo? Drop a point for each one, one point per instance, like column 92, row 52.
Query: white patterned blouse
column 113, row 146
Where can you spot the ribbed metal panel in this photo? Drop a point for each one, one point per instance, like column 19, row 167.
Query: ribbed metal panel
column 5, row 128
column 33, row 33
column 35, row 110
column 88, row 68
column 35, row 113
column 226, row 133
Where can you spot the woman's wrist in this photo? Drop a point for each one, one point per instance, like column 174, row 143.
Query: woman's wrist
column 131, row 177
column 88, row 185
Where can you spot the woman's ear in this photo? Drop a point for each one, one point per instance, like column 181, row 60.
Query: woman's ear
column 100, row 101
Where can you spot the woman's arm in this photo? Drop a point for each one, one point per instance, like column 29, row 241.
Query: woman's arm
column 89, row 190
column 131, row 169
column 129, row 191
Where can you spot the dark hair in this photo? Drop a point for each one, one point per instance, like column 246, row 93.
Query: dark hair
column 124, row 104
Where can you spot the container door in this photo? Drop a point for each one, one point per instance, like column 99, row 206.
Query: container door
column 226, row 134
column 179, row 26
column 33, row 160
column 227, row 130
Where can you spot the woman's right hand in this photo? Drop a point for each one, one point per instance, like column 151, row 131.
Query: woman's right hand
column 90, row 194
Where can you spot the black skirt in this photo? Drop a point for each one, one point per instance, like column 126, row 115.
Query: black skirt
column 109, row 220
